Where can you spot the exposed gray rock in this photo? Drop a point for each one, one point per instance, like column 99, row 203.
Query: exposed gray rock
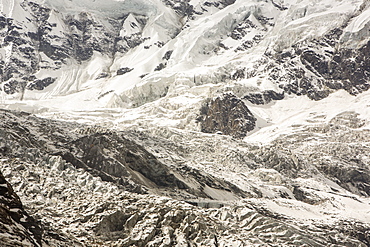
column 325, row 68
column 41, row 84
column 160, row 67
column 102, row 75
column 124, row 70
column 82, row 34
column 228, row 115
column 79, row 208
column 182, row 7
column 264, row 97
column 17, row 227
column 167, row 55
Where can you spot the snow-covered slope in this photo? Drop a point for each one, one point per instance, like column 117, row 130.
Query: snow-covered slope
column 144, row 50
column 258, row 107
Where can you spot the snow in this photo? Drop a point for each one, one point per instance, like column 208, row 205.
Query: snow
column 193, row 48
column 357, row 33
column 289, row 114
column 327, row 211
column 7, row 6
column 359, row 22
column 130, row 26
column 113, row 8
column 166, row 103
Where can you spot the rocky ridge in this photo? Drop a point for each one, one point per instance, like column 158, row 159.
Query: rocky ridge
column 17, row 227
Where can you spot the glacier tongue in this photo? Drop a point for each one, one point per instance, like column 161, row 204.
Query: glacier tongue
column 284, row 204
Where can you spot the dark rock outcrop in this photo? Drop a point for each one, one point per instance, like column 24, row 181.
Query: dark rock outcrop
column 320, row 67
column 167, row 55
column 124, row 70
column 16, row 226
column 264, row 97
column 347, row 69
column 352, row 178
column 160, row 67
column 182, row 8
column 40, row 84
column 102, row 75
column 49, row 46
column 226, row 114
column 122, row 158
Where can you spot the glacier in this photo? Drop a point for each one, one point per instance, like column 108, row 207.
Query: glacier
column 255, row 114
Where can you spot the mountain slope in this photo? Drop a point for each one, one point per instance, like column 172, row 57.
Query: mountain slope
column 283, row 203
column 188, row 122
column 17, row 227
column 137, row 50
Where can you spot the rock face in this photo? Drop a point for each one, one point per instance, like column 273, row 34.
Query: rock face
column 119, row 157
column 47, row 40
column 264, row 98
column 228, row 115
column 17, row 227
column 319, row 67
column 37, row 48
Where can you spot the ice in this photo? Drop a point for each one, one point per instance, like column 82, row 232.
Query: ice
column 164, row 104
column 113, row 8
